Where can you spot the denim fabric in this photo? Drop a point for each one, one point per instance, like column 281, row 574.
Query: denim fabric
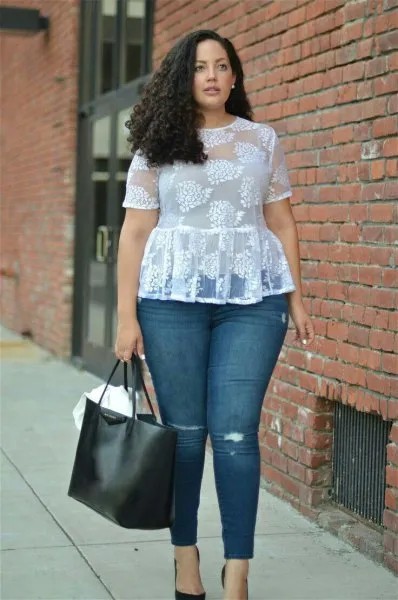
column 211, row 365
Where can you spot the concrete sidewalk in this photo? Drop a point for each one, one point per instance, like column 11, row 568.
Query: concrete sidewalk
column 55, row 548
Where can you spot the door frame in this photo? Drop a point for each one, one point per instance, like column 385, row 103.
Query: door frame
column 98, row 360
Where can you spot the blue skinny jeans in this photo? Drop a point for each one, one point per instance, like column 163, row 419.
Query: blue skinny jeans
column 211, row 365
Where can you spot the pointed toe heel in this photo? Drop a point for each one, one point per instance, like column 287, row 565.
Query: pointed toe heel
column 223, row 582
column 183, row 595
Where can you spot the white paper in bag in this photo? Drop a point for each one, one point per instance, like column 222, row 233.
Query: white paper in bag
column 115, row 398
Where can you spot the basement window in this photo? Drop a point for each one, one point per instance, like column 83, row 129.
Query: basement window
column 359, row 462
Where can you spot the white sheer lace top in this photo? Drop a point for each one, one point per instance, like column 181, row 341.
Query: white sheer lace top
column 211, row 243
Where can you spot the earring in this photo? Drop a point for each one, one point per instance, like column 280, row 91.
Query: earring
column 233, row 86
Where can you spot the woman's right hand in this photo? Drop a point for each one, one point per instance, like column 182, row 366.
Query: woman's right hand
column 129, row 340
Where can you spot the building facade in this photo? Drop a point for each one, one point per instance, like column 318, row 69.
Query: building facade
column 324, row 74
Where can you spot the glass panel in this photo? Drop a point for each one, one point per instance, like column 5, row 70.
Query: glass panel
column 99, row 233
column 87, row 74
column 135, row 28
column 123, row 162
column 123, row 156
column 108, row 44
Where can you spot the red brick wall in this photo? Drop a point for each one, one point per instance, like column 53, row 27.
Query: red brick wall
column 38, row 148
column 324, row 74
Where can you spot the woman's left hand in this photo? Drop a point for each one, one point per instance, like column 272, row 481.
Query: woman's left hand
column 304, row 328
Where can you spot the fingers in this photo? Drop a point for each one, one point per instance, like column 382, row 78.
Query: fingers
column 125, row 353
column 305, row 332
column 310, row 332
column 140, row 348
column 301, row 334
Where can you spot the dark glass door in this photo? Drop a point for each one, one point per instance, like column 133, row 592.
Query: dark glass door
column 103, row 186
column 98, row 254
column 115, row 54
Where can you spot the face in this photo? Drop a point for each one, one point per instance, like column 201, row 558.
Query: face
column 212, row 70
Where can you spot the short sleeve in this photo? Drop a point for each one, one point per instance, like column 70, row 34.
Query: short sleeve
column 279, row 185
column 141, row 185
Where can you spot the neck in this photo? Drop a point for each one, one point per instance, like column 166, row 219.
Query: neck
column 215, row 118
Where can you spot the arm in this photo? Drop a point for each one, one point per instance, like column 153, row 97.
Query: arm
column 136, row 229
column 280, row 220
column 142, row 204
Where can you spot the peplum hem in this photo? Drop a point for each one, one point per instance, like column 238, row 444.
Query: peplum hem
column 237, row 265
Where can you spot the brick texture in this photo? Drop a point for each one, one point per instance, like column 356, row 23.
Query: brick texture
column 324, row 75
column 38, row 147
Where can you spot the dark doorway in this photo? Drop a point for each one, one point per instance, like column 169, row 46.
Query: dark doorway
column 115, row 62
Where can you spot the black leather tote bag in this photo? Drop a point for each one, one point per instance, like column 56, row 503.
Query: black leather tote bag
column 124, row 466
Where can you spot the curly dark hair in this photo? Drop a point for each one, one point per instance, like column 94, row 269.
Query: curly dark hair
column 163, row 124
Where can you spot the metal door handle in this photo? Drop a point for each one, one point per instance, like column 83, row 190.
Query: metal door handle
column 102, row 243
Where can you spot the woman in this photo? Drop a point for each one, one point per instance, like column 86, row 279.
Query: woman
column 208, row 270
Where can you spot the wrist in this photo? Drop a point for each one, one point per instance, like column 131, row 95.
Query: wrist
column 295, row 299
column 126, row 317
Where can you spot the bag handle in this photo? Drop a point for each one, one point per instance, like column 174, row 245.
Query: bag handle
column 135, row 362
column 135, row 367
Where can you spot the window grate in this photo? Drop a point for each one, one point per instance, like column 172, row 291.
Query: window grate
column 359, row 461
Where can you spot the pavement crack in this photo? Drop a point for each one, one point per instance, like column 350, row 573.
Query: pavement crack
column 56, row 521
column 33, row 548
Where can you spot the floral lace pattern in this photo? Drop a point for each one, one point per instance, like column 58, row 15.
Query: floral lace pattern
column 248, row 152
column 138, row 197
column 191, row 194
column 249, row 192
column 223, row 214
column 219, row 171
column 211, row 243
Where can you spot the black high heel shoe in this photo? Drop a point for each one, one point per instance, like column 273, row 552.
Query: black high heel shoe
column 183, row 595
column 223, row 580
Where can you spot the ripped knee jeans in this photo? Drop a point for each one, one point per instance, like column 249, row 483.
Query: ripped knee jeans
column 211, row 365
